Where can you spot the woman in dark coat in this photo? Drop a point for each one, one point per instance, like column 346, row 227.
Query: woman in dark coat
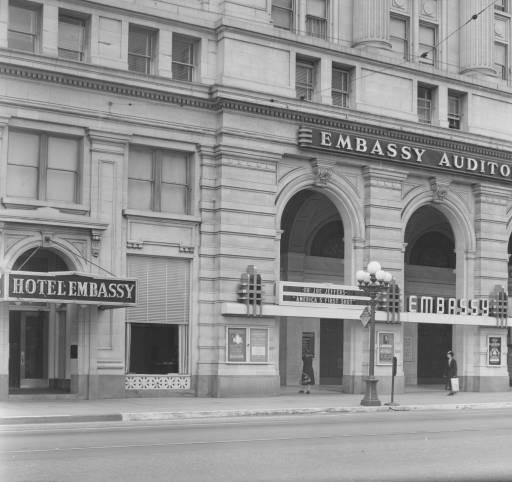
column 451, row 370
column 308, row 376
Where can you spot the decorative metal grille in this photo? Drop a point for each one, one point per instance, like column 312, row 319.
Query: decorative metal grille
column 157, row 382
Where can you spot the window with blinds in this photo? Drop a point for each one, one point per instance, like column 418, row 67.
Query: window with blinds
column 141, row 42
column 316, row 18
column 304, row 79
column 72, row 35
column 283, row 12
column 425, row 104
column 399, row 35
column 427, row 44
column 340, row 86
column 163, row 292
column 23, row 26
column 183, row 57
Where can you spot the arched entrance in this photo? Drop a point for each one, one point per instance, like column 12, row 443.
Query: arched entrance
column 39, row 334
column 429, row 271
column 312, row 250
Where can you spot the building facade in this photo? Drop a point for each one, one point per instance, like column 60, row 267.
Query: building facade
column 212, row 151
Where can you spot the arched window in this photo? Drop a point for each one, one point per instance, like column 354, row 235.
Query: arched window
column 40, row 260
column 329, row 241
column 433, row 249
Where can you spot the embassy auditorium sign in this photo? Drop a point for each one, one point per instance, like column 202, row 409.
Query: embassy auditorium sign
column 384, row 149
column 69, row 287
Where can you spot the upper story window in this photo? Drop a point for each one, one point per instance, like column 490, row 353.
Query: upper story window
column 340, row 86
column 304, row 79
column 158, row 180
column 23, row 26
column 500, row 60
column 72, row 37
column 283, row 12
column 316, row 18
column 43, row 166
column 183, row 57
column 141, row 49
column 427, row 44
column 425, row 104
column 399, row 35
column 501, row 5
column 454, row 110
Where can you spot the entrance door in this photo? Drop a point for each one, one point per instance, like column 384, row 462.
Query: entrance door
column 28, row 349
column 433, row 342
column 331, row 352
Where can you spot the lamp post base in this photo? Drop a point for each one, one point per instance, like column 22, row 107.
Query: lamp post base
column 371, row 398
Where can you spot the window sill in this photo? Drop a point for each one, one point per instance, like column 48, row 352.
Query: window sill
column 135, row 213
column 31, row 204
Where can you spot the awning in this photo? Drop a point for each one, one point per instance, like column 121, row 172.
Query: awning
column 68, row 287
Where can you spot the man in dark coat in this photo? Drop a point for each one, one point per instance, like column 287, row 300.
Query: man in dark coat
column 451, row 370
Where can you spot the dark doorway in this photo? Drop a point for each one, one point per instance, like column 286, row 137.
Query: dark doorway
column 331, row 352
column 434, row 340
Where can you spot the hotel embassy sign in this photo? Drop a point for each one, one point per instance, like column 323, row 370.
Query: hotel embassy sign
column 384, row 149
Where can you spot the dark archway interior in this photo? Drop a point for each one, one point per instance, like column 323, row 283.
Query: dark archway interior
column 40, row 260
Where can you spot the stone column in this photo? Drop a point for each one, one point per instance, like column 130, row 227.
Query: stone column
column 371, row 23
column 477, row 37
column 384, row 243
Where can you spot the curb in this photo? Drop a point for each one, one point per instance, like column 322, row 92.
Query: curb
column 155, row 416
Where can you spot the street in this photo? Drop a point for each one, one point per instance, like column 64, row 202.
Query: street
column 451, row 445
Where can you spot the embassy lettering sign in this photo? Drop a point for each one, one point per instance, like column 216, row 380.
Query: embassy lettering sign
column 383, row 149
column 69, row 287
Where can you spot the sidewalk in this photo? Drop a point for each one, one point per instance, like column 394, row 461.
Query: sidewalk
column 289, row 403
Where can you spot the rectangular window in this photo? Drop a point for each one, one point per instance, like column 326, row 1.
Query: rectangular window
column 501, row 5
column 141, row 46
column 399, row 36
column 183, row 58
column 316, row 18
column 247, row 345
column 23, row 28
column 425, row 104
column 454, row 111
column 304, row 79
column 500, row 60
column 158, row 180
column 283, row 13
column 340, row 87
column 158, row 324
column 43, row 166
column 72, row 34
column 427, row 43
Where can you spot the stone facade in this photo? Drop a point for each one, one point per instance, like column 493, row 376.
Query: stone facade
column 216, row 83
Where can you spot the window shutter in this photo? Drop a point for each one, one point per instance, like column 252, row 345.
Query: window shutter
column 163, row 290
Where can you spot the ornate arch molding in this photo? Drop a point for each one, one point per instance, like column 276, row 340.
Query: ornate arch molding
column 64, row 249
column 335, row 188
column 455, row 211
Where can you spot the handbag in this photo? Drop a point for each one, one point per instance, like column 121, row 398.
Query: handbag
column 455, row 384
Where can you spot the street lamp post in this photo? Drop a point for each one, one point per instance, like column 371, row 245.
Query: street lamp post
column 373, row 281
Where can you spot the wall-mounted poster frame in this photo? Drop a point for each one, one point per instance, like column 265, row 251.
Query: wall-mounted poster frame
column 494, row 350
column 385, row 347
column 247, row 344
column 308, row 343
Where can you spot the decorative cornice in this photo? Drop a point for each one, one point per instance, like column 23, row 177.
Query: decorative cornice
column 218, row 104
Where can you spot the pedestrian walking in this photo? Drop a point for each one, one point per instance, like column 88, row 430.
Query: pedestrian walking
column 308, row 376
column 451, row 371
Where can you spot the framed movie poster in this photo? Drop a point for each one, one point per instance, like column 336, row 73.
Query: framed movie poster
column 385, row 348
column 259, row 345
column 494, row 350
column 237, row 344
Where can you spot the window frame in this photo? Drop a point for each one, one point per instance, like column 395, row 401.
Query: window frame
column 76, row 19
column 313, row 20
column 341, row 93
column 151, row 37
column 455, row 118
column 309, row 88
column 499, row 67
column 406, row 40
column 501, row 6
column 429, row 49
column 36, row 35
column 156, row 181
column 428, row 107
column 43, row 166
column 192, row 65
column 290, row 11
